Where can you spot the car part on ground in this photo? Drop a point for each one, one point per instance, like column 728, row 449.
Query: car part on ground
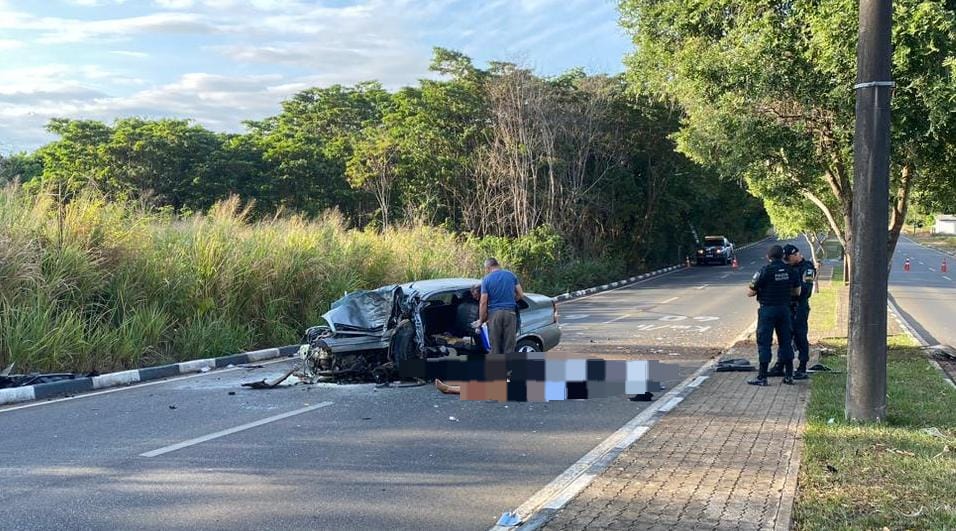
column 8, row 380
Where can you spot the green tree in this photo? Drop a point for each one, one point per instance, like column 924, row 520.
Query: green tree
column 767, row 90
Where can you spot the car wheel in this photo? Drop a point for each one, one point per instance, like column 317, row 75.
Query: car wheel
column 528, row 345
column 403, row 343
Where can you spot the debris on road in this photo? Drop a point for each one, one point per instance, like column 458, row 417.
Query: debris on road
column 453, row 419
column 735, row 365
column 509, row 519
column 8, row 380
column 266, row 384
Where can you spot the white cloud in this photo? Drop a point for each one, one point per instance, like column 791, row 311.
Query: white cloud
column 246, row 56
column 10, row 44
column 130, row 53
column 174, row 4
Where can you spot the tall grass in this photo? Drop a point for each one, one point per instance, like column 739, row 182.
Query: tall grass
column 97, row 285
column 100, row 286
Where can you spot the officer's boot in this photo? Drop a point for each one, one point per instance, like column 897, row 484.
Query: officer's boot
column 761, row 379
column 801, row 372
column 777, row 370
column 788, row 372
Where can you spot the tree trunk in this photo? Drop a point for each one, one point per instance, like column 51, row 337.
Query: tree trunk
column 900, row 207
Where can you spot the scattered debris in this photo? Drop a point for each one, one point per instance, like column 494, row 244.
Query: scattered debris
column 266, row 384
column 832, row 469
column 831, row 421
column 945, row 451
column 204, row 369
column 232, row 393
column 252, row 366
column 643, row 397
column 509, row 519
column 934, row 432
column 454, row 419
column 734, row 365
column 172, row 406
column 917, row 513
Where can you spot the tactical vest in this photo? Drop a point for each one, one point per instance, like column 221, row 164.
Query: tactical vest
column 774, row 284
column 808, row 274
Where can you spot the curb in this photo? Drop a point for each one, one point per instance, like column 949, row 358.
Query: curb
column 897, row 314
column 114, row 379
column 571, row 295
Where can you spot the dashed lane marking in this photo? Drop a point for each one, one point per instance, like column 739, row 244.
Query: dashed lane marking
column 616, row 319
column 702, row 287
column 672, row 299
column 230, row 431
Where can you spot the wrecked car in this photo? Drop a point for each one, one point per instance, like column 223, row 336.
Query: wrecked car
column 369, row 333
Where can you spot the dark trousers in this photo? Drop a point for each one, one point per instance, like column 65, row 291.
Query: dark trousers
column 800, row 330
column 503, row 331
column 800, row 327
column 772, row 319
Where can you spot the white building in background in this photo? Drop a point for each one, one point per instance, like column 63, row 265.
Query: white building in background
column 945, row 225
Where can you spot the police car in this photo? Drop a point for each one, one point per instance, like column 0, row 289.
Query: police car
column 715, row 249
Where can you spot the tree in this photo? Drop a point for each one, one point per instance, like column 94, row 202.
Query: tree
column 767, row 91
column 373, row 167
column 20, row 168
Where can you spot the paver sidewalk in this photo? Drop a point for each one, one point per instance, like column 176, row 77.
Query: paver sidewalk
column 727, row 457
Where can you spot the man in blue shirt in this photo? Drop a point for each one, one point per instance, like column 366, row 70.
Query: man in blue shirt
column 500, row 293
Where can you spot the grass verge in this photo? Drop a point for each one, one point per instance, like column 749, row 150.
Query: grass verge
column 897, row 475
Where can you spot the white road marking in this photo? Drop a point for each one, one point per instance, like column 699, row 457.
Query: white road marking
column 575, row 316
column 725, row 275
column 616, row 319
column 138, row 386
column 933, row 270
column 672, row 299
column 947, row 278
column 921, row 263
column 230, row 431
column 753, row 262
column 702, row 287
column 673, row 318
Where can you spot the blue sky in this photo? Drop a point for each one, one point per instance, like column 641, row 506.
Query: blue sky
column 224, row 61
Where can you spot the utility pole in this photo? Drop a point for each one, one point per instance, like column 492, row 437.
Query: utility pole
column 866, row 357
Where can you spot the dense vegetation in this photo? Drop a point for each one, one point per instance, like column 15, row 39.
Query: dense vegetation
column 767, row 87
column 148, row 240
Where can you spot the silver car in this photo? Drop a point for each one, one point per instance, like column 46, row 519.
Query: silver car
column 369, row 333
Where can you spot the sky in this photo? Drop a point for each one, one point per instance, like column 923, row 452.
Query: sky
column 220, row 62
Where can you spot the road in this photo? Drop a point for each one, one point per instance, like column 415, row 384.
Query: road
column 925, row 294
column 329, row 456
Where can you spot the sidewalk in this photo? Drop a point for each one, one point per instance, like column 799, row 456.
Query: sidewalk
column 727, row 457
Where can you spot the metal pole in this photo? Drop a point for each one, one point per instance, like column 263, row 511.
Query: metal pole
column 866, row 369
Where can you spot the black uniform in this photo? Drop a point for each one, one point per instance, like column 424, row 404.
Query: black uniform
column 801, row 310
column 774, row 285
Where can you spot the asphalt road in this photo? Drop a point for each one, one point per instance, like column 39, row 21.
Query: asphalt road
column 345, row 456
column 925, row 294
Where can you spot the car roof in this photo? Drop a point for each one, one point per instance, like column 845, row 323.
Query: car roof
column 714, row 237
column 434, row 285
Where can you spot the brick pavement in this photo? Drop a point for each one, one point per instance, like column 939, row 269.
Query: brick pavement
column 727, row 457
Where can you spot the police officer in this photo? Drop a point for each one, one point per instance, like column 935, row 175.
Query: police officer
column 800, row 306
column 774, row 285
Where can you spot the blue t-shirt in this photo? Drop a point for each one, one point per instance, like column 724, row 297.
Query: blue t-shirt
column 500, row 287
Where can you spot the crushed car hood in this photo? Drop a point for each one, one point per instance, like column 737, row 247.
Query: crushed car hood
column 364, row 311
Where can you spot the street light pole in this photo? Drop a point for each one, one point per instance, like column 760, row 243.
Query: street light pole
column 866, row 356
